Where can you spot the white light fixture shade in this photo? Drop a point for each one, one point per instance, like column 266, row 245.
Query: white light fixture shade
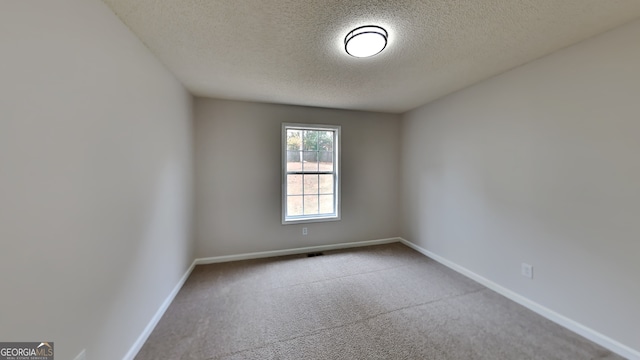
column 365, row 41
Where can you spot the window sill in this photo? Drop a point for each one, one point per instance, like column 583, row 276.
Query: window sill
column 310, row 220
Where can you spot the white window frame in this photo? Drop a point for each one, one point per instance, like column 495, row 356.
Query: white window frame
column 336, row 174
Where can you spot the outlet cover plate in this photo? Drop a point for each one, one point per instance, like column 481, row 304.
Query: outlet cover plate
column 527, row 270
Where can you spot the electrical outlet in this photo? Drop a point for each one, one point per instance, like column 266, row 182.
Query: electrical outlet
column 82, row 355
column 304, row 231
column 527, row 270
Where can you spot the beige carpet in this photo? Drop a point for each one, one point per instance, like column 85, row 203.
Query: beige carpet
column 377, row 302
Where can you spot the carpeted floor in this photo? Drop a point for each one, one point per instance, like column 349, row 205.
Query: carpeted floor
column 377, row 302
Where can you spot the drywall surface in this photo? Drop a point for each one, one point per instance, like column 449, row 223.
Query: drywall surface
column 238, row 177
column 292, row 52
column 539, row 165
column 95, row 179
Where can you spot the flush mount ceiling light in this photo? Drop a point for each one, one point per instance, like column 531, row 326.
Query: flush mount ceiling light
column 365, row 41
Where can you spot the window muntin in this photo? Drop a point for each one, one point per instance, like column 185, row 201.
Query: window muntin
column 310, row 186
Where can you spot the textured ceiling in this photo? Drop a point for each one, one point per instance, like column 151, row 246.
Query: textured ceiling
column 292, row 51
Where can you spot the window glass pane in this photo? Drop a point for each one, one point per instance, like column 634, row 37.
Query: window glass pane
column 325, row 140
column 294, row 205
column 310, row 161
column 325, row 161
column 310, row 184
column 310, row 140
column 311, row 187
column 326, row 204
column 294, row 184
column 310, row 156
column 294, row 160
column 294, row 139
column 326, row 184
column 311, row 204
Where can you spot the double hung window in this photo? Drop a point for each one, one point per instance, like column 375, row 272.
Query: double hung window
column 310, row 181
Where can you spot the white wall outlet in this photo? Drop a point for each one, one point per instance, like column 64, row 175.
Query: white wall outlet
column 305, row 231
column 527, row 270
column 82, row 355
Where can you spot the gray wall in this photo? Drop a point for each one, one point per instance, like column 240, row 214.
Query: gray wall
column 95, row 179
column 238, row 166
column 539, row 165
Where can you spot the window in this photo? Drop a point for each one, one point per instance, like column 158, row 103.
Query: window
column 310, row 180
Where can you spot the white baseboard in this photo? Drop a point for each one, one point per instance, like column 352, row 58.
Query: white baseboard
column 264, row 254
column 559, row 319
column 133, row 351
column 82, row 355
column 572, row 325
